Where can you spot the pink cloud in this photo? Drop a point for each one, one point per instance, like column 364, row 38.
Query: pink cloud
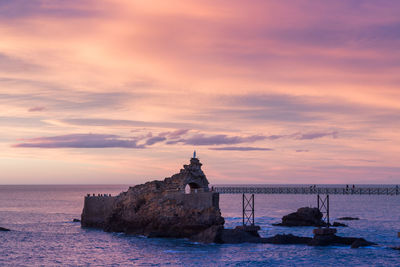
column 35, row 109
column 80, row 141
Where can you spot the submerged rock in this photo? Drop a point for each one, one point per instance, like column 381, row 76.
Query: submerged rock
column 354, row 242
column 326, row 237
column 303, row 217
column 338, row 224
column 4, row 229
column 361, row 242
column 348, row 218
column 287, row 239
column 159, row 208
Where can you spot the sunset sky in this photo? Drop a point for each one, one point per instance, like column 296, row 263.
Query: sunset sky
column 123, row 91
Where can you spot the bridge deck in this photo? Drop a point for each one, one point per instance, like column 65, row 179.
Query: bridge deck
column 308, row 190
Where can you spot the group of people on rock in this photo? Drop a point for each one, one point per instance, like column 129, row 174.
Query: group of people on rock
column 99, row 195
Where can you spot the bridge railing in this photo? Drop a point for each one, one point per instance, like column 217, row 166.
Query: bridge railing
column 308, row 190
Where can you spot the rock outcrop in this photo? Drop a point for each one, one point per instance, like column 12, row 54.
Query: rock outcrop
column 306, row 217
column 219, row 235
column 4, row 229
column 159, row 208
column 327, row 237
column 303, row 217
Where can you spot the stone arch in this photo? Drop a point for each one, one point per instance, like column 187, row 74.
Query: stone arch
column 192, row 188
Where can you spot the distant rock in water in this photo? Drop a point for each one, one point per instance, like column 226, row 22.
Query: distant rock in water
column 4, row 229
column 348, row 218
column 159, row 208
column 303, row 217
column 76, row 220
column 338, row 224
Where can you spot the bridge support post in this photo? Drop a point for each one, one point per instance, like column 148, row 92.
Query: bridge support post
column 248, row 210
column 323, row 206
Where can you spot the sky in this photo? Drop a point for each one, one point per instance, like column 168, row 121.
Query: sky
column 266, row 92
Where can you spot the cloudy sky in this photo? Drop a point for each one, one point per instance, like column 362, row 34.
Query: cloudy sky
column 123, row 91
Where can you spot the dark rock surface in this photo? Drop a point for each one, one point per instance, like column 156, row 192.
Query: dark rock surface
column 4, row 229
column 338, row 224
column 76, row 220
column 330, row 240
column 348, row 218
column 361, row 242
column 287, row 239
column 303, row 217
column 220, row 235
column 318, row 240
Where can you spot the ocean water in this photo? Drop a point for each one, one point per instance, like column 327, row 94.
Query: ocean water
column 43, row 233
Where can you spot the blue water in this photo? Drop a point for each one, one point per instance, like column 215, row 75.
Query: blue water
column 44, row 234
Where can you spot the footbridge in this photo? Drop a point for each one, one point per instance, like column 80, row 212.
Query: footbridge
column 328, row 190
column 321, row 191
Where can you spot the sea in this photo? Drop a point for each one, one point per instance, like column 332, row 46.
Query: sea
column 44, row 234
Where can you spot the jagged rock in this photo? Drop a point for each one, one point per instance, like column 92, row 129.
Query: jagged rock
column 348, row 218
column 338, row 224
column 159, row 208
column 303, row 217
column 4, row 229
column 76, row 220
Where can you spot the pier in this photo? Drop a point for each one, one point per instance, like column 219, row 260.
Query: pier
column 394, row 190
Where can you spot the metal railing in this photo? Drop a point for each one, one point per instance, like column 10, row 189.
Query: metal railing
column 307, row 190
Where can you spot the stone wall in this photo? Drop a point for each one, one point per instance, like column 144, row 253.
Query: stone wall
column 96, row 210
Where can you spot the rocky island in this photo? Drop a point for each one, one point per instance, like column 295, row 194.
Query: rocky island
column 181, row 206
